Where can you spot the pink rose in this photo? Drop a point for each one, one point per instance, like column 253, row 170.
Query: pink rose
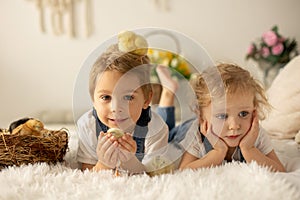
column 250, row 49
column 281, row 39
column 270, row 38
column 265, row 52
column 277, row 49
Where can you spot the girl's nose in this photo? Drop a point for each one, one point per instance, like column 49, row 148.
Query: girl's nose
column 234, row 124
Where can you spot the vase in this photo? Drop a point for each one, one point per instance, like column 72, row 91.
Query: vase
column 269, row 72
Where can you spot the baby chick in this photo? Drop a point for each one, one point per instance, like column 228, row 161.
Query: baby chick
column 30, row 127
column 128, row 41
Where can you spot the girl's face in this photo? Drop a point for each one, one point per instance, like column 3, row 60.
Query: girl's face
column 119, row 102
column 230, row 120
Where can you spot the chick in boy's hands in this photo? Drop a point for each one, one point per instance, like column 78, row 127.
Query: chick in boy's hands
column 116, row 145
column 117, row 133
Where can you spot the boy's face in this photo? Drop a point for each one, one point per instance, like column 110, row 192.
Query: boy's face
column 231, row 120
column 119, row 101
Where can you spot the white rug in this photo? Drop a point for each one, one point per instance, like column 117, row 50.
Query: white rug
column 231, row 181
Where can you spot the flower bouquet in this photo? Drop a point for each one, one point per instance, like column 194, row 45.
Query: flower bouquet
column 272, row 52
column 273, row 48
column 179, row 65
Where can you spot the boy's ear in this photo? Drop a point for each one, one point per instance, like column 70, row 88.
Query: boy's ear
column 148, row 100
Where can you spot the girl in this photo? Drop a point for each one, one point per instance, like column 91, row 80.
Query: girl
column 230, row 103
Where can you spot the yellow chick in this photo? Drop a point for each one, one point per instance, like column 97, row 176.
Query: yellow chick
column 30, row 127
column 116, row 132
column 128, row 41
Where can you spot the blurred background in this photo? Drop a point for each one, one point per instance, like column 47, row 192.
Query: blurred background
column 39, row 63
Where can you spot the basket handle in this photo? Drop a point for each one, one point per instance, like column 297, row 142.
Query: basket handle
column 166, row 33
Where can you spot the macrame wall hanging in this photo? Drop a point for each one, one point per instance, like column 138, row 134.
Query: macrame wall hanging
column 61, row 13
column 162, row 4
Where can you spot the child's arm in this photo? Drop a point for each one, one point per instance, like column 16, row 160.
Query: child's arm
column 106, row 152
column 99, row 166
column 270, row 160
column 85, row 166
column 133, row 165
column 251, row 153
column 127, row 155
column 212, row 158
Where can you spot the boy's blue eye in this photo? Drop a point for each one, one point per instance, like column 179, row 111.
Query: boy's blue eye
column 105, row 97
column 128, row 97
column 222, row 116
column 244, row 114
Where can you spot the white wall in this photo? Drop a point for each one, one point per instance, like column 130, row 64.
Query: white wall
column 38, row 71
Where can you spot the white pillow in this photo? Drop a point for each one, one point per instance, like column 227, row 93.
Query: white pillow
column 284, row 95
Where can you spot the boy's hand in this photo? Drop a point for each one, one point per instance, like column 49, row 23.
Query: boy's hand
column 249, row 139
column 127, row 147
column 107, row 151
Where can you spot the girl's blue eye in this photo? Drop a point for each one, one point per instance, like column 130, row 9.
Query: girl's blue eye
column 244, row 114
column 105, row 97
column 128, row 97
column 222, row 116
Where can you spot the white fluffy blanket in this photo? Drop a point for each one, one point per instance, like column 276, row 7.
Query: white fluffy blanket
column 231, row 181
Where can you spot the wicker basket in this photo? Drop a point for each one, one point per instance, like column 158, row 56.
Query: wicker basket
column 18, row 149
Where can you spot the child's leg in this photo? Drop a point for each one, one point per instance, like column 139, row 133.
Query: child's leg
column 168, row 115
column 166, row 107
column 169, row 85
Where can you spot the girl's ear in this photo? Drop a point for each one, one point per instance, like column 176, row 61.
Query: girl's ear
column 148, row 100
column 255, row 114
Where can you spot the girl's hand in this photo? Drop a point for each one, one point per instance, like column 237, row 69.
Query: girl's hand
column 107, row 151
column 249, row 139
column 216, row 142
column 127, row 147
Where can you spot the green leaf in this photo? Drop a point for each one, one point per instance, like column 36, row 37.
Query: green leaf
column 272, row 59
column 275, row 29
column 290, row 46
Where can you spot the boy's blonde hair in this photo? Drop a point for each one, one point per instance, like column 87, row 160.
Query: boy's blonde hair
column 114, row 59
column 225, row 79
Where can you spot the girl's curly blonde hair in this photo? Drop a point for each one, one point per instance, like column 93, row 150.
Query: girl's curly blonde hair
column 225, row 79
column 114, row 59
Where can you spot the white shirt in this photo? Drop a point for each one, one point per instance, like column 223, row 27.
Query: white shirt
column 155, row 142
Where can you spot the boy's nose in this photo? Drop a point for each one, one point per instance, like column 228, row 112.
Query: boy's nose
column 117, row 106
